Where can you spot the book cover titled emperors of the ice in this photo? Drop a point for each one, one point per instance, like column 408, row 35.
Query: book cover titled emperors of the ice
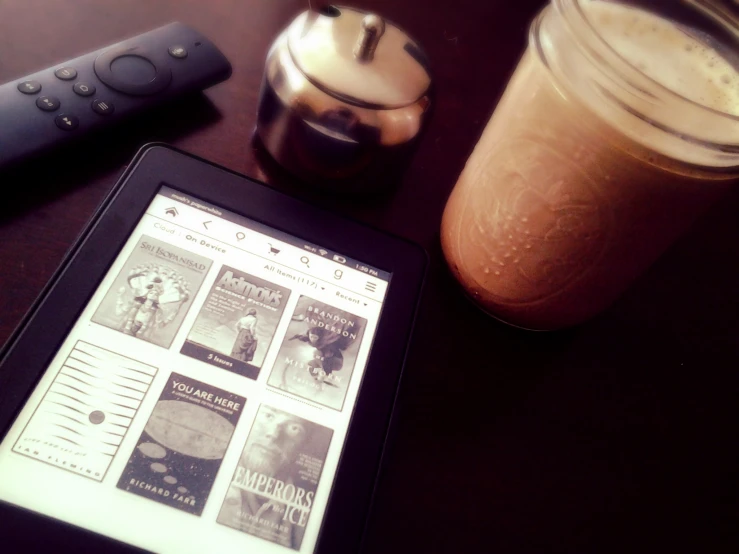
column 272, row 493
column 152, row 293
column 180, row 451
column 237, row 322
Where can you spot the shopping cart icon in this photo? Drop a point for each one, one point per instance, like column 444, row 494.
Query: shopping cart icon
column 272, row 250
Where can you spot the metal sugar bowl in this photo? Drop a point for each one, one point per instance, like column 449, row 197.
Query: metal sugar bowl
column 344, row 98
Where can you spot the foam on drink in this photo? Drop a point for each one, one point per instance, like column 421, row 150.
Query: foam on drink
column 667, row 53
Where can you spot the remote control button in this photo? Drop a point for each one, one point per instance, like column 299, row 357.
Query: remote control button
column 101, row 107
column 48, row 103
column 84, row 89
column 66, row 73
column 132, row 71
column 178, row 52
column 29, row 87
column 66, row 122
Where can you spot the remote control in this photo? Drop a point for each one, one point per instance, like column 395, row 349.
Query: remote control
column 64, row 102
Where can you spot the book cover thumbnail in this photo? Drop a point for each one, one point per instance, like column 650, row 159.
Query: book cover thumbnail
column 237, row 322
column 84, row 415
column 152, row 293
column 273, row 489
column 317, row 358
column 178, row 455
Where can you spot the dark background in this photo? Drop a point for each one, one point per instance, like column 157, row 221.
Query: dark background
column 617, row 436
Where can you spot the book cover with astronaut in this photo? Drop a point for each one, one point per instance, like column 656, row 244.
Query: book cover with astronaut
column 178, row 455
column 237, row 322
column 273, row 489
column 153, row 291
column 317, row 357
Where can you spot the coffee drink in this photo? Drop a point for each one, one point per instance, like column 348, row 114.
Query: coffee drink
column 578, row 183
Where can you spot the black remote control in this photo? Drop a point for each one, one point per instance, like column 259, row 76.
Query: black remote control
column 61, row 103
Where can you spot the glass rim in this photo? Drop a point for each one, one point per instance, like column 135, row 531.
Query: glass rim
column 709, row 8
column 585, row 66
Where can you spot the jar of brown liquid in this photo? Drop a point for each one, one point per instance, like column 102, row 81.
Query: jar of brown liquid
column 618, row 129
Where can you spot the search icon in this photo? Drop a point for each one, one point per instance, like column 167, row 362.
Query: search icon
column 305, row 260
column 240, row 236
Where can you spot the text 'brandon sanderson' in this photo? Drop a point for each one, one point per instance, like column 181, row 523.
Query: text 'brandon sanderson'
column 297, row 500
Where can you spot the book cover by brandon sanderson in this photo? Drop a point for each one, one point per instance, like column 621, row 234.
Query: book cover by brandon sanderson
column 272, row 492
column 237, row 322
column 181, row 448
column 152, row 293
column 317, row 357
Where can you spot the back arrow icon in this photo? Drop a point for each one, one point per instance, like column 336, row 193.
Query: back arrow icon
column 205, row 224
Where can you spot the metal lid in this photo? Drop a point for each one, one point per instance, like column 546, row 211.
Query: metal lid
column 359, row 57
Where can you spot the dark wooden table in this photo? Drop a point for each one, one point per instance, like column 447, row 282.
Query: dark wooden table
column 618, row 436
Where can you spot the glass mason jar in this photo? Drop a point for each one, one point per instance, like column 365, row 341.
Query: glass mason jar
column 617, row 130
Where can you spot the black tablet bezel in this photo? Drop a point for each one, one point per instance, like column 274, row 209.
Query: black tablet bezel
column 31, row 348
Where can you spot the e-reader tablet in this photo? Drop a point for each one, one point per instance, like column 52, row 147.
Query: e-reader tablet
column 212, row 369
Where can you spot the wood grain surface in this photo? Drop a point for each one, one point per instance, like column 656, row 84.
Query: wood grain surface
column 617, row 436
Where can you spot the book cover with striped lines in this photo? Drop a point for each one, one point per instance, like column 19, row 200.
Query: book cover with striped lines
column 85, row 414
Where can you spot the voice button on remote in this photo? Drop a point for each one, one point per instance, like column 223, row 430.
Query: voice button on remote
column 177, row 52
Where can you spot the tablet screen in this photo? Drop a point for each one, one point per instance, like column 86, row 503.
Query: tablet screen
column 202, row 399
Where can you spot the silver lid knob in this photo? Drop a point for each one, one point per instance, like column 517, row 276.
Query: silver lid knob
column 373, row 27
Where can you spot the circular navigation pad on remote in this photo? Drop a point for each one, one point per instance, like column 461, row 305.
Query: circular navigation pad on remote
column 131, row 71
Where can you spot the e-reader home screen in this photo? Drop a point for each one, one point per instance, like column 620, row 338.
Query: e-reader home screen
column 204, row 394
